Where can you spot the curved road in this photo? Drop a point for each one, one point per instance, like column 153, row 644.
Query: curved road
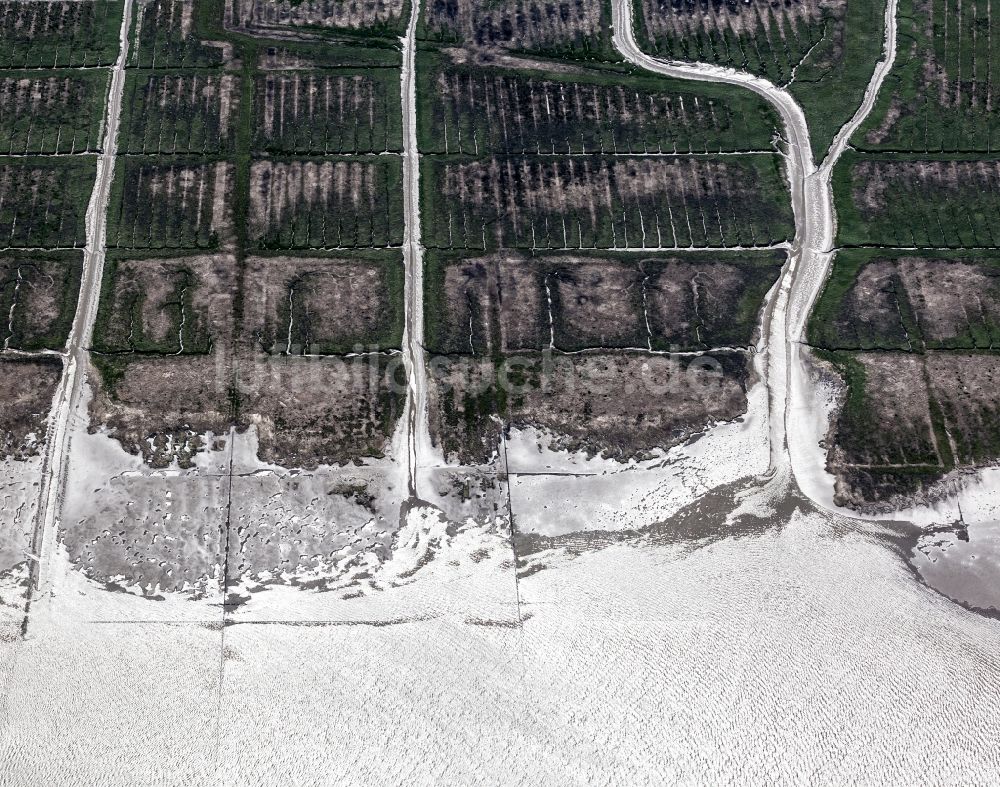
column 810, row 256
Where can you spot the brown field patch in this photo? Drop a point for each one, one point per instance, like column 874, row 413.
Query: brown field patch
column 617, row 403
column 320, row 411
column 967, row 388
column 487, row 303
column 908, row 420
column 891, row 425
column 297, row 305
column 167, row 305
column 596, row 304
column 912, row 303
column 510, row 302
column 464, row 414
column 705, row 304
column 26, row 391
column 161, row 407
column 38, row 298
column 871, row 314
column 953, row 299
column 609, row 403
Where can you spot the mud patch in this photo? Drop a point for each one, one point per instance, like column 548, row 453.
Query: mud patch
column 26, row 390
column 38, row 295
column 324, row 305
column 602, row 403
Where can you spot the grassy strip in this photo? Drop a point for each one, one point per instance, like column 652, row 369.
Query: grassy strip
column 830, row 82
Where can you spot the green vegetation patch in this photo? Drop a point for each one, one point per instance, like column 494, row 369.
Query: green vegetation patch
column 191, row 112
column 830, row 81
column 899, row 200
column 181, row 203
column 760, row 37
column 576, row 30
column 43, row 201
column 51, row 111
column 61, row 33
column 944, row 88
column 164, row 35
column 326, row 203
column 478, row 111
column 330, row 111
column 580, row 202
column 824, row 53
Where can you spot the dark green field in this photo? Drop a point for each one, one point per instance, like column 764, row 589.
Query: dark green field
column 59, row 34
column 902, row 200
column 163, row 35
column 43, row 201
column 331, row 111
column 546, row 202
column 178, row 203
column 944, row 88
column 180, row 112
column 481, row 111
column 51, row 111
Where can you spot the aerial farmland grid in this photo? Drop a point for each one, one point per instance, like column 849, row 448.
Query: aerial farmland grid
column 460, row 391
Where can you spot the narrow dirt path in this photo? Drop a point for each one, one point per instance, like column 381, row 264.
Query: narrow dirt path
column 68, row 397
column 810, row 255
column 416, row 436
